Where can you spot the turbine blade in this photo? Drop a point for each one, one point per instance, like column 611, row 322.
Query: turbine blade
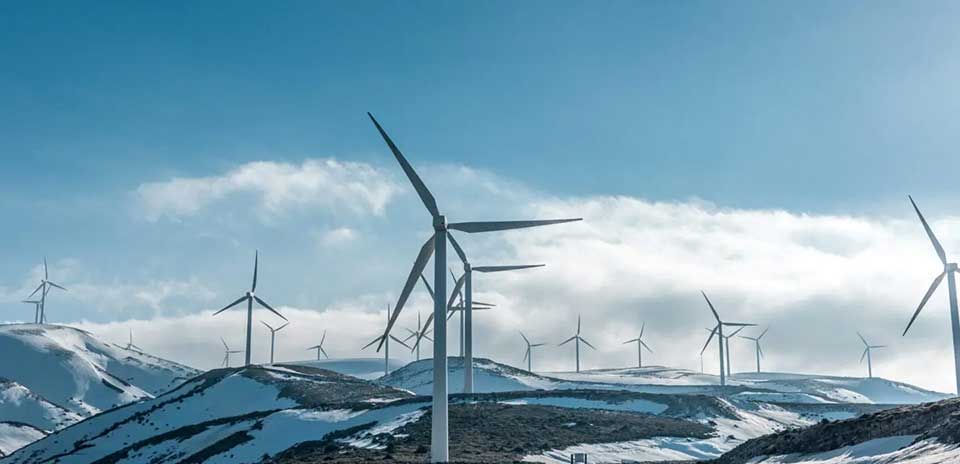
column 265, row 305
column 426, row 251
column 526, row 354
column 715, row 315
column 456, row 247
column 429, row 288
column 423, row 333
column 456, row 290
column 763, row 333
column 425, row 196
column 493, row 226
column 224, row 344
column 864, row 340
column 323, row 338
column 568, row 340
column 739, row 324
column 256, row 260
column 864, row 355
column 588, row 343
column 878, row 346
column 268, row 325
column 525, row 338
column 55, row 285
column 324, row 352
column 578, row 324
column 705, row 345
column 645, row 346
column 933, row 288
column 282, row 326
column 537, row 344
column 760, row 349
column 631, row 340
column 933, row 238
column 643, row 326
column 399, row 341
column 375, row 340
column 239, row 300
column 734, row 332
column 480, row 303
column 506, row 268
column 35, row 291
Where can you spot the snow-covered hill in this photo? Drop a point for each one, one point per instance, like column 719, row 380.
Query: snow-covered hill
column 488, row 376
column 361, row 368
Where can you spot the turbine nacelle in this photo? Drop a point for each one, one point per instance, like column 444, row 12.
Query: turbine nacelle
column 950, row 267
column 440, row 223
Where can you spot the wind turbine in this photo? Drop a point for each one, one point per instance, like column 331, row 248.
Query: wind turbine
column 415, row 334
column 578, row 339
column 726, row 342
column 249, row 298
column 45, row 284
column 273, row 336
column 36, row 309
column 227, row 352
column 528, row 354
column 866, row 354
column 719, row 329
column 319, row 347
column 451, row 310
column 386, row 351
column 948, row 270
column 640, row 345
column 756, row 343
column 437, row 243
column 130, row 344
column 462, row 309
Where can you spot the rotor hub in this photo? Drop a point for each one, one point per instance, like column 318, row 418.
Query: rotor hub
column 440, row 223
column 467, row 267
column 250, row 294
column 950, row 267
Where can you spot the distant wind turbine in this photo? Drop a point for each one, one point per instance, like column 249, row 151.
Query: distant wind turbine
column 386, row 351
column 36, row 309
column 45, row 285
column 949, row 269
column 528, row 354
column 273, row 336
column 718, row 329
column 462, row 309
column 867, row 351
column 415, row 334
column 227, row 352
column 319, row 347
column 437, row 243
column 640, row 345
column 726, row 342
column 578, row 339
column 756, row 343
column 249, row 298
column 130, row 344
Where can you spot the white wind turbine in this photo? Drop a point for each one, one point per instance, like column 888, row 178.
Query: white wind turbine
column 949, row 269
column 227, row 352
column 719, row 329
column 415, row 334
column 437, row 243
column 640, row 345
column 249, row 298
column 45, row 286
column 726, row 343
column 131, row 345
column 36, row 309
column 756, row 343
column 273, row 336
column 462, row 309
column 867, row 351
column 319, row 347
column 451, row 311
column 386, row 344
column 528, row 354
column 578, row 339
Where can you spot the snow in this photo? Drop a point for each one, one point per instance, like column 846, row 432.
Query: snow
column 14, row 436
column 642, row 406
column 889, row 450
column 363, row 368
column 19, row 404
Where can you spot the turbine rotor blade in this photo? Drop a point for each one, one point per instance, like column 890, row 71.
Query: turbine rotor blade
column 268, row 326
column 324, row 352
column 926, row 296
column 239, row 300
column 281, row 327
column 864, row 355
column 256, row 260
column 506, row 268
column 525, row 338
column 763, row 333
column 588, row 343
column 426, row 251
column 643, row 326
column 429, row 288
column 705, row 345
column 933, row 238
column 645, row 346
column 864, row 340
column 715, row 315
column 631, row 341
column 224, row 344
column 425, row 196
column 399, row 341
column 37, row 290
column 456, row 247
column 55, row 285
column 526, row 354
column 568, row 340
column 265, row 305
column 493, row 226
column 375, row 340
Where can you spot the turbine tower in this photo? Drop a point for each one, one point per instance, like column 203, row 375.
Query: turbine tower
column 226, row 353
column 451, row 309
column 868, row 349
column 640, row 345
column 437, row 243
column 462, row 308
column 386, row 351
column 130, row 344
column 718, row 329
column 726, row 343
column 948, row 270
column 415, row 334
column 273, row 336
column 756, row 343
column 45, row 285
column 36, row 309
column 249, row 298
column 319, row 347
column 578, row 339
column 528, row 354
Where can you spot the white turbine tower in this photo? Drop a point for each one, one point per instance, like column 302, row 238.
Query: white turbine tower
column 726, row 343
column 948, row 270
column 867, row 351
column 319, row 347
column 451, row 309
column 249, row 298
column 131, row 345
column 273, row 336
column 437, row 243
column 718, row 329
column 640, row 345
column 36, row 309
column 227, row 352
column 460, row 310
column 756, row 343
column 528, row 354
column 45, row 286
column 578, row 339
column 386, row 344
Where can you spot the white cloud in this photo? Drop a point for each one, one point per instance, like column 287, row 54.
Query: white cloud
column 274, row 188
column 337, row 236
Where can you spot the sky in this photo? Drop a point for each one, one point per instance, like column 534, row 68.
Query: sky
column 760, row 152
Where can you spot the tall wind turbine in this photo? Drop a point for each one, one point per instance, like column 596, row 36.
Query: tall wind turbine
column 319, row 347
column 249, row 298
column 451, row 309
column 45, row 285
column 528, row 354
column 273, row 336
column 461, row 309
column 437, row 243
column 867, row 350
column 948, row 270
column 36, row 309
column 756, row 343
column 227, row 352
column 718, row 329
column 640, row 345
column 578, row 339
column 131, row 345
column 386, row 351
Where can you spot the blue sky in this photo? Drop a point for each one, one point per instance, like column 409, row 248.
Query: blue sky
column 819, row 110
